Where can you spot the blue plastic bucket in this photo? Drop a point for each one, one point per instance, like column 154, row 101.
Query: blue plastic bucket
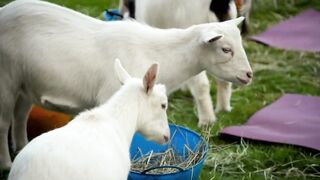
column 180, row 137
column 112, row 15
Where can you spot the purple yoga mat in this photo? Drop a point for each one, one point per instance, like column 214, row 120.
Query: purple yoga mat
column 301, row 32
column 292, row 119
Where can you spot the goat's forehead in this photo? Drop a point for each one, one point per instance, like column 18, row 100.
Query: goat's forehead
column 160, row 91
column 161, row 88
column 228, row 30
column 231, row 35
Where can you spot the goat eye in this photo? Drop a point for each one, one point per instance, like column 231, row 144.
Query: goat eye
column 163, row 106
column 226, row 50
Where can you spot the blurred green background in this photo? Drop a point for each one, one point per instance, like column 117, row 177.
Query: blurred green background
column 275, row 72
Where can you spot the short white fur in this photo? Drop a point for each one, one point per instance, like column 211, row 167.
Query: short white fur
column 62, row 60
column 95, row 145
column 182, row 14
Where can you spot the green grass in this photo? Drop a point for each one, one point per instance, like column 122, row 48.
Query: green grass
column 275, row 72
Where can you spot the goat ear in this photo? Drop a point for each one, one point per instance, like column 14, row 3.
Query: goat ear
column 150, row 77
column 210, row 37
column 122, row 74
column 236, row 21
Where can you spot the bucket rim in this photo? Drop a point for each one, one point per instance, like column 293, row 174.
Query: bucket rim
column 190, row 168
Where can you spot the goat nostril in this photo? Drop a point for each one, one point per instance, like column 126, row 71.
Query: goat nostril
column 249, row 74
column 166, row 138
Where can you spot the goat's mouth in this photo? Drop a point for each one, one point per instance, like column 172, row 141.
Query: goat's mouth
column 243, row 81
column 162, row 141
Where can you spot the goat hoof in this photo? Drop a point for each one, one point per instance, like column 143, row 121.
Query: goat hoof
column 223, row 109
column 206, row 122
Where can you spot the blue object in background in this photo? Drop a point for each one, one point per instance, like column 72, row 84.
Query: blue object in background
column 112, row 15
column 180, row 137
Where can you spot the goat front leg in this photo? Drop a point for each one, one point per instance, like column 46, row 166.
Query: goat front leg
column 199, row 86
column 19, row 124
column 224, row 90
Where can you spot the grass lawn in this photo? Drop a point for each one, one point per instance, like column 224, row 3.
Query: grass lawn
column 275, row 72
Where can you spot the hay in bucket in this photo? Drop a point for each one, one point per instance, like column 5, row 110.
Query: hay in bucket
column 168, row 161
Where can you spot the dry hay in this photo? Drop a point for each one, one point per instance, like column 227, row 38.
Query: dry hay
column 170, row 157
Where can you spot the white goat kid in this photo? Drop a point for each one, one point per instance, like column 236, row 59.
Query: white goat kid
column 62, row 60
column 95, row 145
column 182, row 14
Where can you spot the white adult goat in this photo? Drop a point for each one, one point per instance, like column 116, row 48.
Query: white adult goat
column 95, row 145
column 182, row 14
column 62, row 60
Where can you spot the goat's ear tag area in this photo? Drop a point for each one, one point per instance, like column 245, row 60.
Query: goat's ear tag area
column 150, row 78
column 121, row 73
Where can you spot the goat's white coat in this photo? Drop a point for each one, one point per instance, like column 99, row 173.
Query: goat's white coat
column 62, row 60
column 95, row 145
column 176, row 14
column 182, row 14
